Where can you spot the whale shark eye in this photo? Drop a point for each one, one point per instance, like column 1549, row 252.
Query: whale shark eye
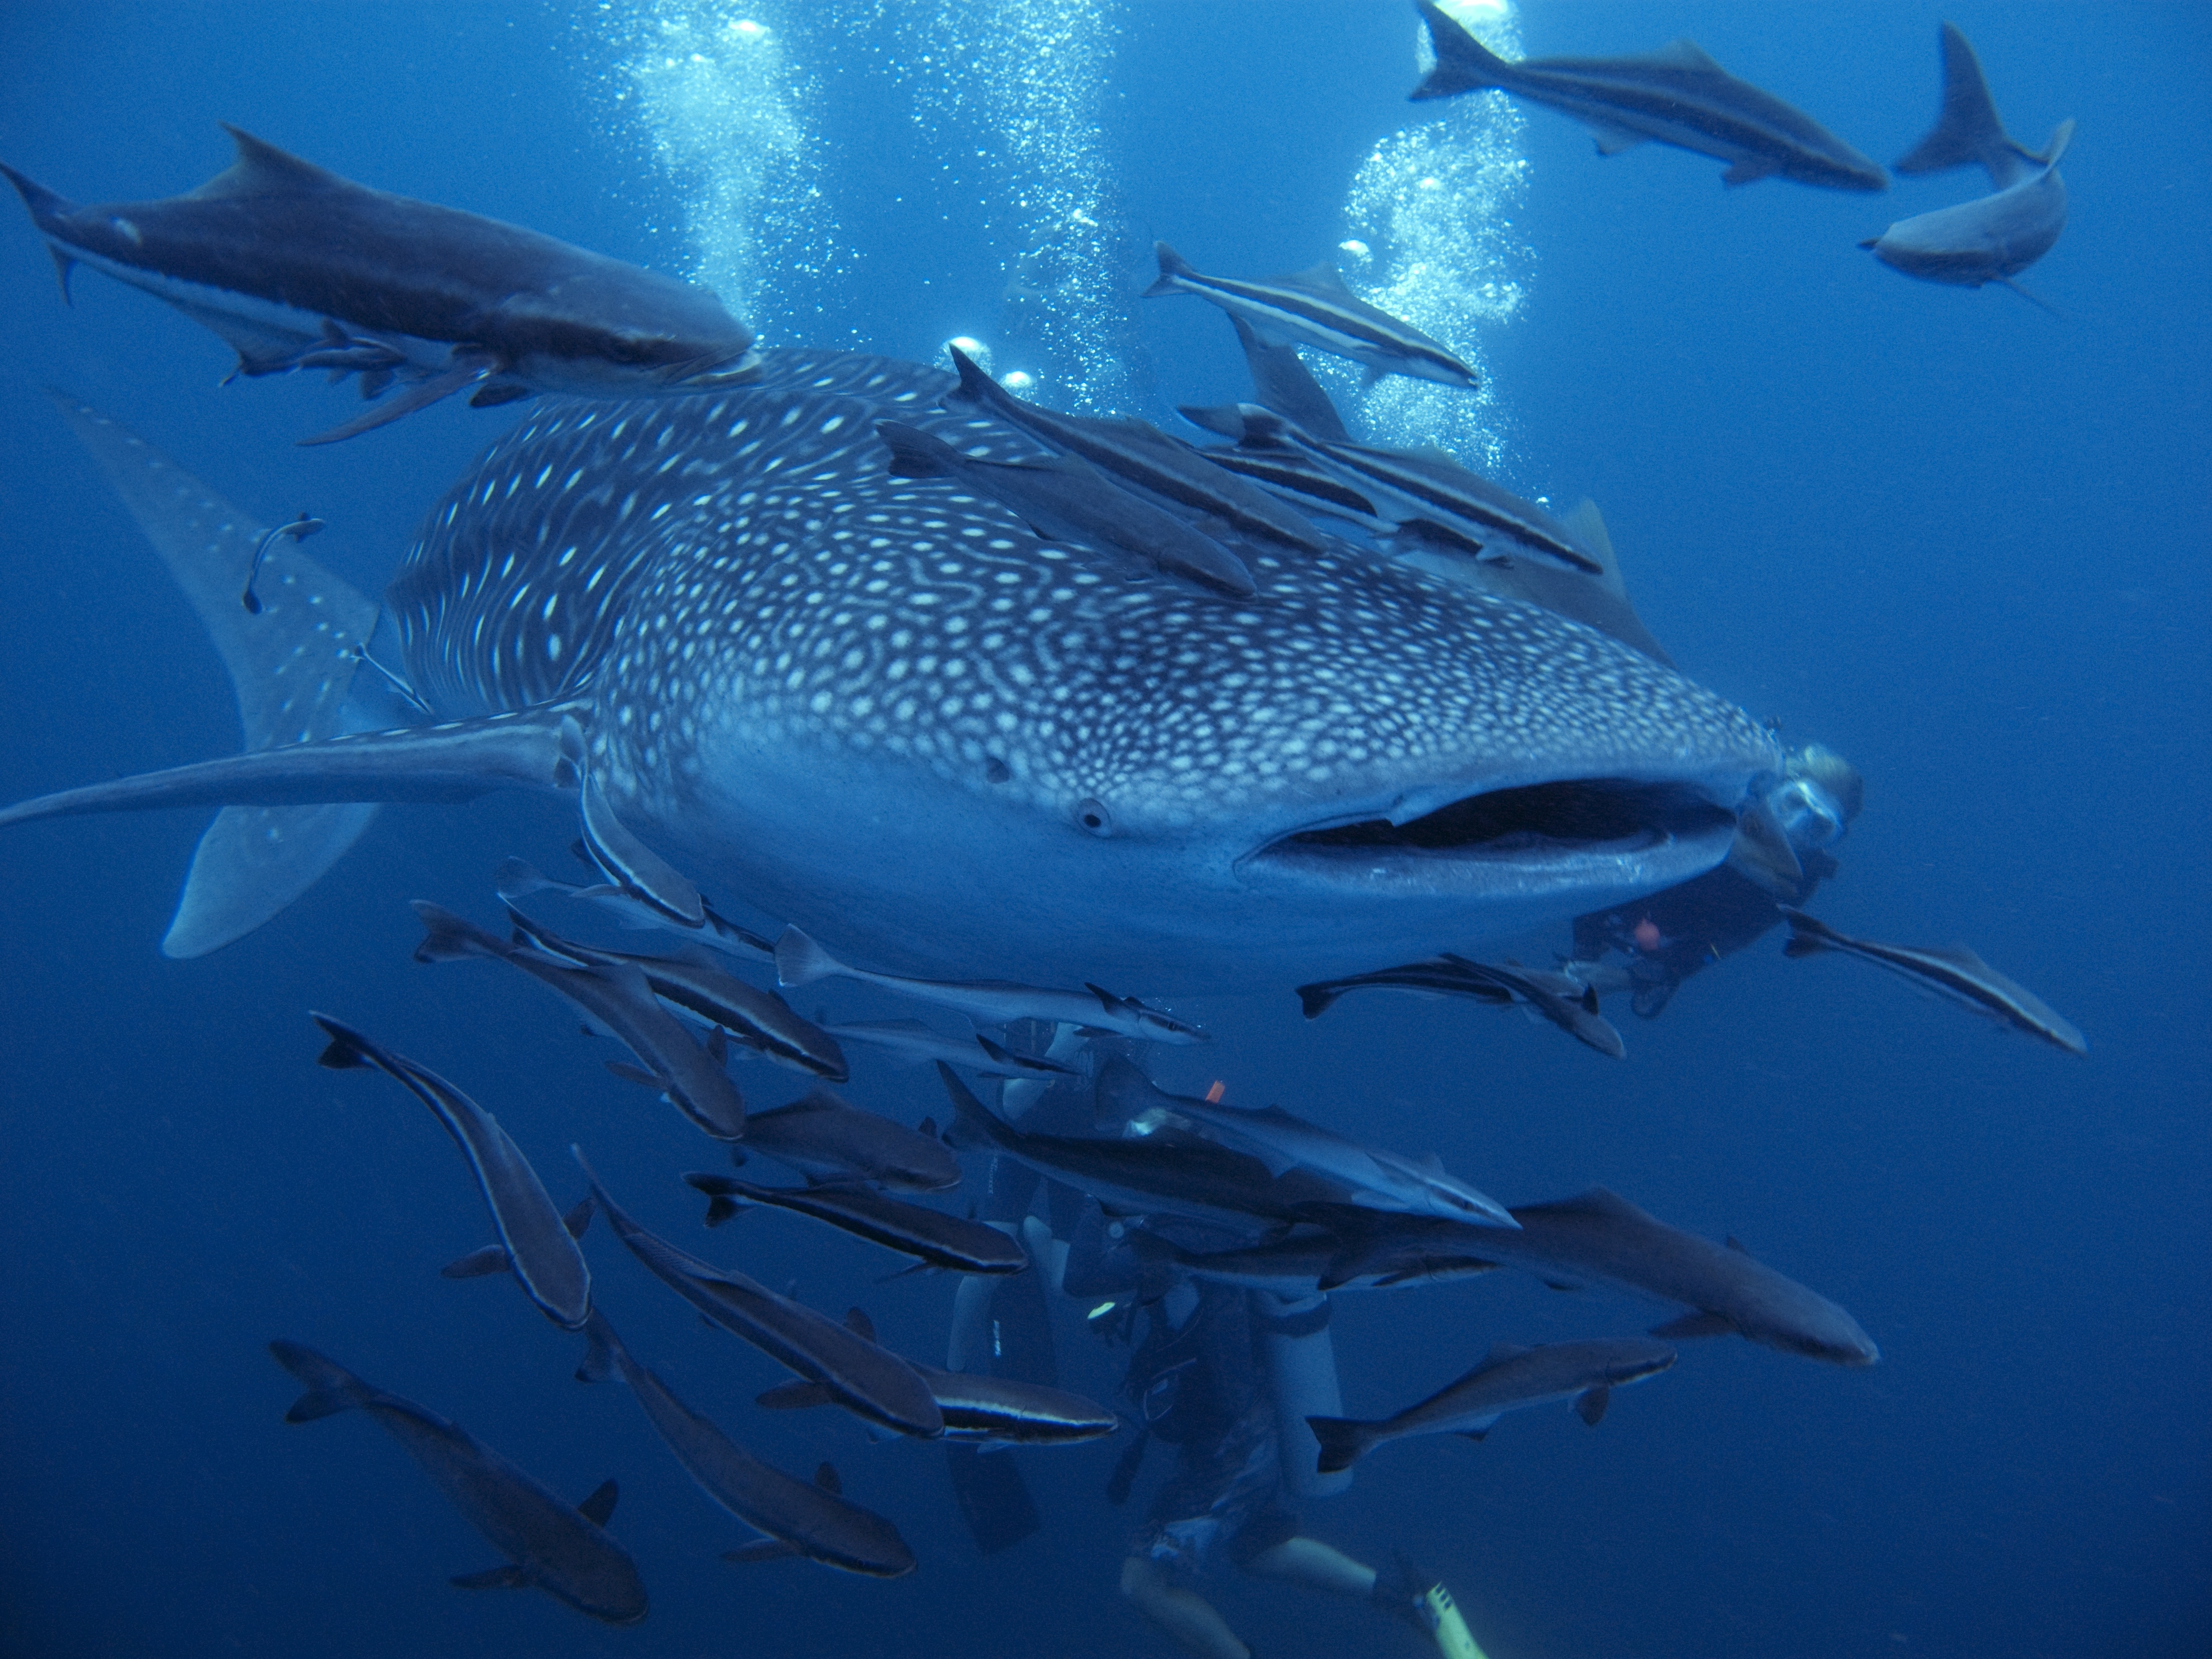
column 1093, row 816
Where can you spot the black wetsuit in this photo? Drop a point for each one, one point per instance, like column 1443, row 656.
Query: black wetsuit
column 1200, row 1388
column 1699, row 922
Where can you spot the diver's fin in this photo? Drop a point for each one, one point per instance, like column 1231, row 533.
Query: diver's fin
column 291, row 665
column 994, row 1501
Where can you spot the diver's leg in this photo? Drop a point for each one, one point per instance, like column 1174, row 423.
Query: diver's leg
column 1309, row 1561
column 1187, row 1617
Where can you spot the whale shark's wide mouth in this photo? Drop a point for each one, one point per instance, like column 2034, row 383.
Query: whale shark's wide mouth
column 1555, row 826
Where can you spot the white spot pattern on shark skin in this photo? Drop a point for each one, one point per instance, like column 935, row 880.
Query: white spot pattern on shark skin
column 806, row 596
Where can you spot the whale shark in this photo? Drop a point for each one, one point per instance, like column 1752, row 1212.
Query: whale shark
column 879, row 708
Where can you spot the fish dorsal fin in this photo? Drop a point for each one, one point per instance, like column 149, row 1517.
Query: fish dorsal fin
column 1598, row 1200
column 2061, row 136
column 821, row 1100
column 1963, row 954
column 1736, row 1244
column 927, row 1130
column 1323, row 278
column 262, row 169
column 1587, row 525
column 859, row 1324
column 826, row 1477
column 599, row 1507
column 1501, row 1351
column 1685, row 53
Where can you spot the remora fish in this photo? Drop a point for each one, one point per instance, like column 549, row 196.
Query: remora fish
column 1139, row 454
column 1567, row 1002
column 1677, row 95
column 695, row 981
column 1314, row 308
column 564, row 1552
column 801, row 961
column 619, row 998
column 534, row 1239
column 996, row 1410
column 1996, row 237
column 1379, row 1250
column 931, row 1236
column 881, row 743
column 802, row 1518
column 298, row 267
column 1180, row 1174
column 826, row 1138
column 1509, row 1378
column 913, row 1044
column 1374, row 1178
column 517, row 879
column 871, row 1381
column 1066, row 499
column 1956, row 975
column 1600, row 1236
column 1439, row 975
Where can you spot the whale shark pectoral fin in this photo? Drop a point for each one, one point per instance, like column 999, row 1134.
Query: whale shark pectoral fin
column 455, row 762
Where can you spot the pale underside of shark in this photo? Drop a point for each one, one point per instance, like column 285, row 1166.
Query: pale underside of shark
column 879, row 708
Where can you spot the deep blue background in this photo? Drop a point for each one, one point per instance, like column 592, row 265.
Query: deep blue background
column 1961, row 540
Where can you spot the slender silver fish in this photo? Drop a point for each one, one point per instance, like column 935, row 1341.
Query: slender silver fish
column 533, row 1237
column 871, row 1381
column 1139, row 454
column 564, row 1552
column 1509, row 1378
column 1315, row 308
column 517, row 879
column 913, row 1044
column 1567, row 1002
column 801, row 961
column 804, row 1518
column 1598, row 1237
column 1372, row 1178
column 693, row 980
column 1995, row 238
column 931, row 1236
column 619, row 998
column 826, row 1138
column 298, row 267
column 1677, row 95
column 1956, row 975
column 995, row 1410
column 1066, row 499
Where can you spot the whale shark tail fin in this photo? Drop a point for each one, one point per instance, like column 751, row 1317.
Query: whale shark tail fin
column 1967, row 132
column 291, row 667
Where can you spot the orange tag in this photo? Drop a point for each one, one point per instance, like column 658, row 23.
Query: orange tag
column 1213, row 1095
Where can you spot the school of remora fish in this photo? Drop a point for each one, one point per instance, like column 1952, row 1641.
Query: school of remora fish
column 947, row 684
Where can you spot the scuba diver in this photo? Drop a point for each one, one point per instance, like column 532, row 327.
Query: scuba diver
column 1210, row 1378
column 1780, row 858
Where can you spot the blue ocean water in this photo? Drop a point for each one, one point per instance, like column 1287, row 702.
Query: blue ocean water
column 1961, row 540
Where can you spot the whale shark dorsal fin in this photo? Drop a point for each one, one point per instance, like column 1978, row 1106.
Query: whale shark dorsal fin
column 262, row 169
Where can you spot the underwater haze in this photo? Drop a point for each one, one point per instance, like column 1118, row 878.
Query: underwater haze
column 1963, row 540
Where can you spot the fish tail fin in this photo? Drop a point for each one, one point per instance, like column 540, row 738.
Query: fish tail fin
column 971, row 1120
column 1174, row 270
column 1318, row 1000
column 331, row 1387
column 914, row 454
column 43, row 203
column 1463, row 62
column 602, row 1350
column 449, row 938
column 1343, row 1442
column 291, row 667
column 1808, row 937
column 801, row 961
column 1967, row 131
